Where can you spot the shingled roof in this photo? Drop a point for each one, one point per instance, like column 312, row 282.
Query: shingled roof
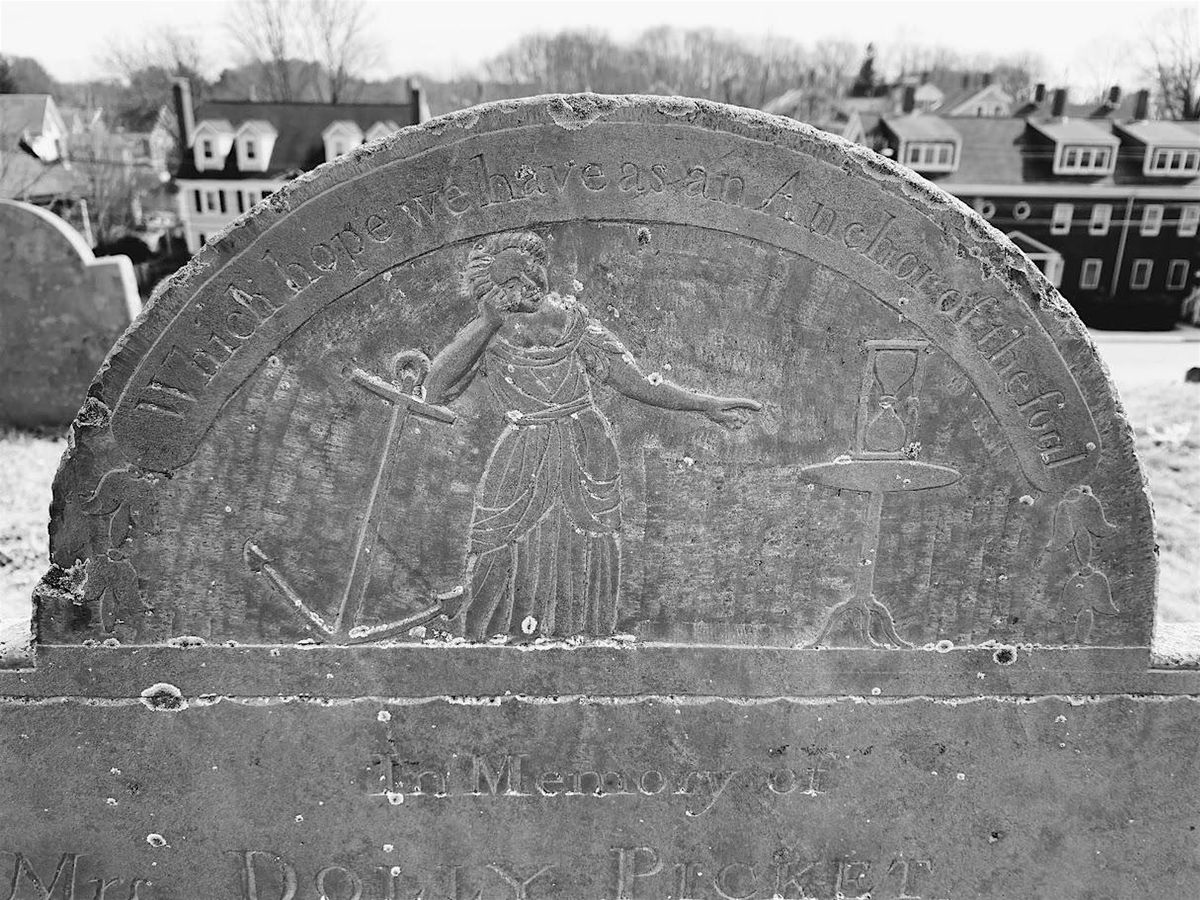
column 22, row 112
column 298, row 146
column 1001, row 151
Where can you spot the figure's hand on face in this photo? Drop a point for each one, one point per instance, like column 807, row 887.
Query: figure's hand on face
column 732, row 412
column 519, row 286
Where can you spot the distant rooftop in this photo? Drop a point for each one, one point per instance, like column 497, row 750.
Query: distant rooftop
column 921, row 128
column 1076, row 131
column 298, row 145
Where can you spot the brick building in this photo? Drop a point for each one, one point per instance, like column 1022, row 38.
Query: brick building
column 1106, row 202
column 1103, row 199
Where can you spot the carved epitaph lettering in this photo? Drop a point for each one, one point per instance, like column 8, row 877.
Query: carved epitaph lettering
column 589, row 497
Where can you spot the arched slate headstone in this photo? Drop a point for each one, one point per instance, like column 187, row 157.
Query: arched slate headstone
column 61, row 309
column 605, row 497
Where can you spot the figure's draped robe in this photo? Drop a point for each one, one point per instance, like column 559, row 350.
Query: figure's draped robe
column 545, row 556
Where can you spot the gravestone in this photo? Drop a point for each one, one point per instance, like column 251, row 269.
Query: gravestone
column 591, row 497
column 61, row 309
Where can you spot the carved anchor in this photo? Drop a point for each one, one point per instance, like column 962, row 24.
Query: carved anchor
column 406, row 397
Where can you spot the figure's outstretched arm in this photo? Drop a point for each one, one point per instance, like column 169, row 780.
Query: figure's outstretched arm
column 624, row 376
column 455, row 366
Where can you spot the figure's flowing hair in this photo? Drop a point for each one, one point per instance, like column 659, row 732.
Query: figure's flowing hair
column 479, row 277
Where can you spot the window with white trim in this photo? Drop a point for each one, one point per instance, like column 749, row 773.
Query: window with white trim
column 1101, row 216
column 929, row 154
column 1089, row 273
column 1152, row 217
column 1139, row 279
column 1177, row 272
column 1189, row 219
column 1084, row 158
column 1053, row 269
column 211, row 202
column 1060, row 221
column 1174, row 161
column 208, row 150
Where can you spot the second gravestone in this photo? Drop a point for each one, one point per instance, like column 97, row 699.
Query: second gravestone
column 602, row 498
column 61, row 309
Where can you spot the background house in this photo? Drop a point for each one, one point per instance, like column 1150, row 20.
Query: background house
column 235, row 153
column 1104, row 199
column 35, row 164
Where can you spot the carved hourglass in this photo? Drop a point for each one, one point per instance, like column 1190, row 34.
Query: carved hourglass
column 883, row 460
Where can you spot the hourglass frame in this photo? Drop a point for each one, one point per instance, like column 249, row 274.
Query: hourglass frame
column 883, row 461
column 874, row 385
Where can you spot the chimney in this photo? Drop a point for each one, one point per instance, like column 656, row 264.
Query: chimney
column 1039, row 93
column 1141, row 105
column 1114, row 96
column 181, row 88
column 966, row 80
column 1059, row 104
column 987, row 79
column 910, row 98
column 925, row 77
column 416, row 97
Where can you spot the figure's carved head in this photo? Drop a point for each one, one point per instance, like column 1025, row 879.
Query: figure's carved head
column 511, row 263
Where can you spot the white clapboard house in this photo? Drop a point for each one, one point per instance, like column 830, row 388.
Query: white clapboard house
column 235, row 153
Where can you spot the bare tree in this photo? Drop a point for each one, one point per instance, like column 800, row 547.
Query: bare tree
column 833, row 63
column 339, row 38
column 283, row 38
column 1100, row 63
column 266, row 32
column 168, row 48
column 1171, row 58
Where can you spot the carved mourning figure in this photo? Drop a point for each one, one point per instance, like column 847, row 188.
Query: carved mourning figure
column 545, row 554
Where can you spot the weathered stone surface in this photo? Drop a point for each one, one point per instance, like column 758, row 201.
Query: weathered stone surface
column 769, row 485
column 989, row 798
column 779, row 395
column 61, row 309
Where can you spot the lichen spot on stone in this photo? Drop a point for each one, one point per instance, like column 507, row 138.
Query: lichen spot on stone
column 163, row 697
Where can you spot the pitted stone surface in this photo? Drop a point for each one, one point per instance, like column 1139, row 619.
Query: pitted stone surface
column 593, row 498
column 588, row 369
column 61, row 309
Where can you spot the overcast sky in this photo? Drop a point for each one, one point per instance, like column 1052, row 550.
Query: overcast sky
column 1084, row 43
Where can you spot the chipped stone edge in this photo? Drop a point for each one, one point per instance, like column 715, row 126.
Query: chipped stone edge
column 577, row 112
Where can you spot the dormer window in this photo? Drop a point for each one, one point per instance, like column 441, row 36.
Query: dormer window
column 1173, row 161
column 930, row 156
column 381, row 129
column 1167, row 149
column 214, row 138
column 925, row 155
column 1084, row 159
column 255, row 142
column 928, row 144
column 340, row 138
column 1081, row 146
